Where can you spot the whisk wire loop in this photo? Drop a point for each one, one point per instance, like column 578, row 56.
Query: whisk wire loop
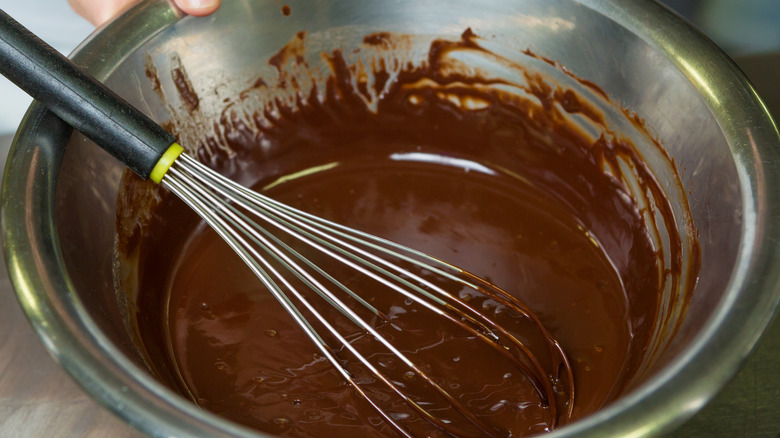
column 205, row 207
column 199, row 198
column 226, row 206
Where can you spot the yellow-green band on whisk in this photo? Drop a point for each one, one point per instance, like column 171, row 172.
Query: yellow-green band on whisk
column 165, row 162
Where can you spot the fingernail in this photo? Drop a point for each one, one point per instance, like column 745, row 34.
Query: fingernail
column 198, row 4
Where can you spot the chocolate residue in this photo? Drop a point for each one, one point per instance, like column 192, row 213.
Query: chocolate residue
column 515, row 178
column 379, row 39
column 293, row 52
column 189, row 96
column 151, row 74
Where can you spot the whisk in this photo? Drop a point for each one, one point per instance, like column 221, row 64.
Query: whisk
column 268, row 235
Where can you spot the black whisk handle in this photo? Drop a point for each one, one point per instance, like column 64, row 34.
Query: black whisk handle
column 79, row 99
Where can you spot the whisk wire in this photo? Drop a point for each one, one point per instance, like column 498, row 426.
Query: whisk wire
column 306, row 224
column 328, row 230
column 220, row 202
column 311, row 223
column 236, row 241
column 335, row 229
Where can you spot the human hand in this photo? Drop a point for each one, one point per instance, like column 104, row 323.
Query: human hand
column 99, row 11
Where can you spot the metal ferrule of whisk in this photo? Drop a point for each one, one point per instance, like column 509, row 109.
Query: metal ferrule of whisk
column 251, row 224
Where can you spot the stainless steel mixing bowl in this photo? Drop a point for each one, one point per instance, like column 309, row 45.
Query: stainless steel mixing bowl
column 58, row 195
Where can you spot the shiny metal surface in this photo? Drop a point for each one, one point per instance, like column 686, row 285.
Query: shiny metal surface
column 58, row 204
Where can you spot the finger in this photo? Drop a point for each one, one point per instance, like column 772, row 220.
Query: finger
column 198, row 7
column 98, row 12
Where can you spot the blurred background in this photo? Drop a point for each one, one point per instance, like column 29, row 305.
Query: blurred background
column 56, row 23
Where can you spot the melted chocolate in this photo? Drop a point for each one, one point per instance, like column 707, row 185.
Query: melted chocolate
column 500, row 184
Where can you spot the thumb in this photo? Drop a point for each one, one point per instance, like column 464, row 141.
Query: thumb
column 99, row 11
column 198, row 7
